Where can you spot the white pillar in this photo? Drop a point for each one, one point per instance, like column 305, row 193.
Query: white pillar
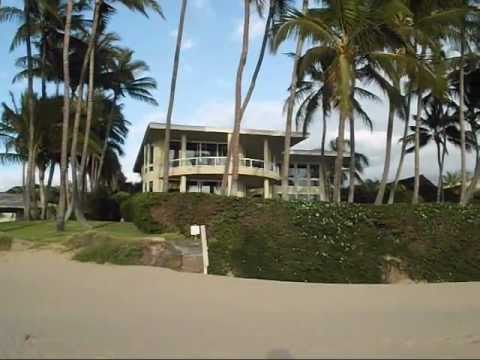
column 183, row 148
column 266, row 189
column 183, row 184
column 266, row 155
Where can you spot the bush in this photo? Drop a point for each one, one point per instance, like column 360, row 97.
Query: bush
column 5, row 242
column 101, row 248
column 297, row 241
column 101, row 205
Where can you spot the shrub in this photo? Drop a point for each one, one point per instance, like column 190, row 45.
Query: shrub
column 320, row 242
column 101, row 205
column 5, row 242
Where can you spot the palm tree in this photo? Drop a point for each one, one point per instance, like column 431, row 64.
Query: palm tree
column 451, row 179
column 290, row 105
column 276, row 9
column 311, row 95
column 439, row 126
column 347, row 31
column 124, row 78
column 176, row 61
column 66, row 118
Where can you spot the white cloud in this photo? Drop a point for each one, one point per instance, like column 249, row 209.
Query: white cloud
column 187, row 43
column 204, row 6
column 256, row 29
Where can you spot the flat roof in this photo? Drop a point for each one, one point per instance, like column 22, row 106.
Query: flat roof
column 162, row 126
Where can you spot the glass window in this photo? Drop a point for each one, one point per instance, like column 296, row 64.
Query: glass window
column 174, row 150
column 209, row 150
column 222, row 150
column 291, row 171
column 314, row 171
column 150, row 186
column 151, row 149
column 302, row 172
column 193, row 150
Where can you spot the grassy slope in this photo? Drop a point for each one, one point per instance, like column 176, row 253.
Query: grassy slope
column 44, row 232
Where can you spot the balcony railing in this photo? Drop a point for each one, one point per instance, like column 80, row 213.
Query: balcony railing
column 220, row 161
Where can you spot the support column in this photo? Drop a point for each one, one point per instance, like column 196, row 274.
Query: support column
column 267, row 194
column 266, row 155
column 183, row 147
column 183, row 184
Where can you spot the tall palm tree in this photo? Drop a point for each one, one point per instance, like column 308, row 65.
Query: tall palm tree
column 346, row 31
column 66, row 118
column 124, row 78
column 173, row 84
column 290, row 105
column 230, row 184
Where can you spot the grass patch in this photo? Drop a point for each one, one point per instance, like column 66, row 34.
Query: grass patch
column 45, row 232
column 101, row 248
column 5, row 242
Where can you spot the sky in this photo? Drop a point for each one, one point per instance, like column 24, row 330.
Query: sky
column 206, row 82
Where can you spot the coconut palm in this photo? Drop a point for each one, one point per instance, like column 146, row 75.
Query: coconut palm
column 173, row 84
column 438, row 125
column 276, row 10
column 66, row 118
column 124, row 78
column 346, row 31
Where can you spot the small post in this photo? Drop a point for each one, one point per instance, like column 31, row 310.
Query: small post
column 203, row 235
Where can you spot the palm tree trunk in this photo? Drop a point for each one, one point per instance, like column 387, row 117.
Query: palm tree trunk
column 324, row 194
column 290, row 106
column 66, row 117
column 105, row 143
column 388, row 155
column 31, row 117
column 440, row 171
column 88, row 124
column 463, row 151
column 44, row 67
column 416, row 187
column 261, row 56
column 337, row 183
column 233, row 189
column 391, row 196
column 76, row 204
column 352, row 165
column 173, row 84
column 91, row 87
column 472, row 188
column 43, row 193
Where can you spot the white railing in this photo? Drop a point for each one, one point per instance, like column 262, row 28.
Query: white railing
column 220, row 161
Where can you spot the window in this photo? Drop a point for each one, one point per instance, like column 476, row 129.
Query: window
column 314, row 171
column 302, row 171
column 222, row 150
column 150, row 186
column 174, row 150
column 151, row 149
column 193, row 150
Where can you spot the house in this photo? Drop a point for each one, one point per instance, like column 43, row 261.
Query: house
column 198, row 155
column 12, row 204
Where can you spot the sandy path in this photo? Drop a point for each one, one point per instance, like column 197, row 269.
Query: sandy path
column 53, row 307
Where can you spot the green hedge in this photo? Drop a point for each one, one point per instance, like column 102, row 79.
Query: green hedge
column 315, row 242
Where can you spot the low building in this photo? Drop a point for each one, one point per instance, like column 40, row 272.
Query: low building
column 198, row 155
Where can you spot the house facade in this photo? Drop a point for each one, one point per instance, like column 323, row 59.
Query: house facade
column 198, row 155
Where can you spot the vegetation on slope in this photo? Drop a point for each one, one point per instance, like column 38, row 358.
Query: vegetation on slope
column 319, row 242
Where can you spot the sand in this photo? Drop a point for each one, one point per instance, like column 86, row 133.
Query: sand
column 51, row 306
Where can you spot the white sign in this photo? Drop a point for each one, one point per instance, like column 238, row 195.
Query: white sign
column 194, row 230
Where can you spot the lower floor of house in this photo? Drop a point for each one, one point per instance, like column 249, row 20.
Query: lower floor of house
column 306, row 190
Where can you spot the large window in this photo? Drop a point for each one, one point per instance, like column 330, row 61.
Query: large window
column 174, row 150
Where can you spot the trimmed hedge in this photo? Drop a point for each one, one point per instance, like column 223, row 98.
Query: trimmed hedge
column 6, row 242
column 318, row 242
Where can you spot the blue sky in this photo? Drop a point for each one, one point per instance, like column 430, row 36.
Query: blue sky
column 205, row 88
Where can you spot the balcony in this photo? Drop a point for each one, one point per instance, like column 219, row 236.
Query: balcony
column 215, row 165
